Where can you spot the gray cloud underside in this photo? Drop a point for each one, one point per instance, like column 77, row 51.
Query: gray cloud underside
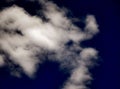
column 23, row 37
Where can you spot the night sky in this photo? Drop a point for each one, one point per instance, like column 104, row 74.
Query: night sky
column 106, row 72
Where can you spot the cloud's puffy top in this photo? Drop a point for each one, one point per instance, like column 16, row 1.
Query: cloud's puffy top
column 24, row 38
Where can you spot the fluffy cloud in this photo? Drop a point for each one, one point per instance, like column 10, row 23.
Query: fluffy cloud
column 25, row 38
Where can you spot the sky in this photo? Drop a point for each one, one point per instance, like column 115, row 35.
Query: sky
column 59, row 44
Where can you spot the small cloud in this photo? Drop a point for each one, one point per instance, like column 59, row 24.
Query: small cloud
column 26, row 38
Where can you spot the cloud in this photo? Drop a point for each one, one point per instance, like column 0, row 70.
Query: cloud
column 25, row 38
column 1, row 60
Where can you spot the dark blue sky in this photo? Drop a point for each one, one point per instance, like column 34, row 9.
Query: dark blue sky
column 106, row 74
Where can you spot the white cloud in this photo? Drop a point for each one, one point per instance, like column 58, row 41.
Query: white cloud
column 23, row 36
